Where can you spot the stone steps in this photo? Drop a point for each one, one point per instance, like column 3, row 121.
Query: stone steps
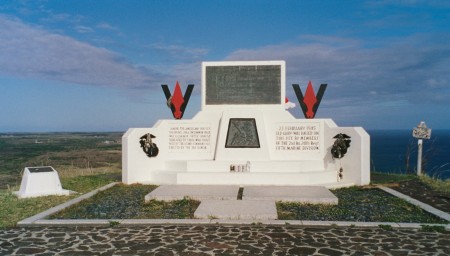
column 255, row 166
column 258, row 202
column 257, row 178
column 200, row 193
column 237, row 210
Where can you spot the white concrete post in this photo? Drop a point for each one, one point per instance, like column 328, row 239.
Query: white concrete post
column 419, row 157
column 420, row 132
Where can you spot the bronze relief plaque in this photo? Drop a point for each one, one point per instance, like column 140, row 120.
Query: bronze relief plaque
column 242, row 133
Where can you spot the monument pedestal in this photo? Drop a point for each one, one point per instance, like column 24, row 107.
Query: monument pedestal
column 40, row 181
column 239, row 140
column 291, row 152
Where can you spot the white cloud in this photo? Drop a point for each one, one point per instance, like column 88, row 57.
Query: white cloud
column 83, row 29
column 180, row 52
column 107, row 26
column 406, row 68
column 401, row 80
column 32, row 52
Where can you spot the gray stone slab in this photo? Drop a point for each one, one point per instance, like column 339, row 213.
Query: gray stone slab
column 349, row 223
column 196, row 192
column 302, row 194
column 236, row 210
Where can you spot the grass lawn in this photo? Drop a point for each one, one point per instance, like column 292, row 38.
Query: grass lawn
column 86, row 161
column 359, row 204
column 127, row 202
column 13, row 209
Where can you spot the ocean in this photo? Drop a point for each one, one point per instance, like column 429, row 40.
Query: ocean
column 389, row 151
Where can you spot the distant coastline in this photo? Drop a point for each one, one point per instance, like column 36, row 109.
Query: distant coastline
column 389, row 148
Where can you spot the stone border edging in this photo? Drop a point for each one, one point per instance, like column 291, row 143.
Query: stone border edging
column 38, row 219
column 39, row 216
column 426, row 207
column 138, row 222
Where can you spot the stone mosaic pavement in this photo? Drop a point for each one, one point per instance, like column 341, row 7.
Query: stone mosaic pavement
column 221, row 240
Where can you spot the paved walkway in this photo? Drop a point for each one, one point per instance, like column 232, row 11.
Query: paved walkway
column 221, row 240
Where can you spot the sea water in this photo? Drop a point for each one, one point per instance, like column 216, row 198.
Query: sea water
column 389, row 150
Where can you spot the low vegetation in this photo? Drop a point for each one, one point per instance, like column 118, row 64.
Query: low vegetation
column 88, row 161
column 384, row 178
column 442, row 186
column 14, row 209
column 71, row 154
column 436, row 184
column 358, row 204
column 84, row 161
column 127, row 202
column 355, row 204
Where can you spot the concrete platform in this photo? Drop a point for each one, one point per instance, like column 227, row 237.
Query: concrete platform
column 302, row 194
column 236, row 210
column 316, row 177
column 203, row 192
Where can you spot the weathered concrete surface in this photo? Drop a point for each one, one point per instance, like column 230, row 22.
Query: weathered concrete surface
column 237, row 210
column 196, row 192
column 302, row 194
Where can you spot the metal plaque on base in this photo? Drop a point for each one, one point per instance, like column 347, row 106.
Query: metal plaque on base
column 243, row 85
column 242, row 133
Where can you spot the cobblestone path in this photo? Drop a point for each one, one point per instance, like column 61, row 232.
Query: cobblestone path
column 221, row 240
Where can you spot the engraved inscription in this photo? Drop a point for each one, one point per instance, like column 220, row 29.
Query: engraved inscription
column 298, row 137
column 189, row 137
column 242, row 133
column 240, row 85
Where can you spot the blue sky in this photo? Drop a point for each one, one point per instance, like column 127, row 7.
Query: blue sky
column 99, row 65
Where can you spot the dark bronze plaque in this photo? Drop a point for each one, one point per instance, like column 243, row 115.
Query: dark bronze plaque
column 40, row 169
column 242, row 133
column 241, row 85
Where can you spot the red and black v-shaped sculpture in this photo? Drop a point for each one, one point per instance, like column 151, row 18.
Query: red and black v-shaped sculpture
column 177, row 102
column 309, row 102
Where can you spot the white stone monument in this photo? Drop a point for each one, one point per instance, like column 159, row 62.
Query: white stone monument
column 244, row 136
column 40, row 181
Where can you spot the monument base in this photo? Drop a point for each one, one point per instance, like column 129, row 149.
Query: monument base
column 40, row 181
column 246, row 147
